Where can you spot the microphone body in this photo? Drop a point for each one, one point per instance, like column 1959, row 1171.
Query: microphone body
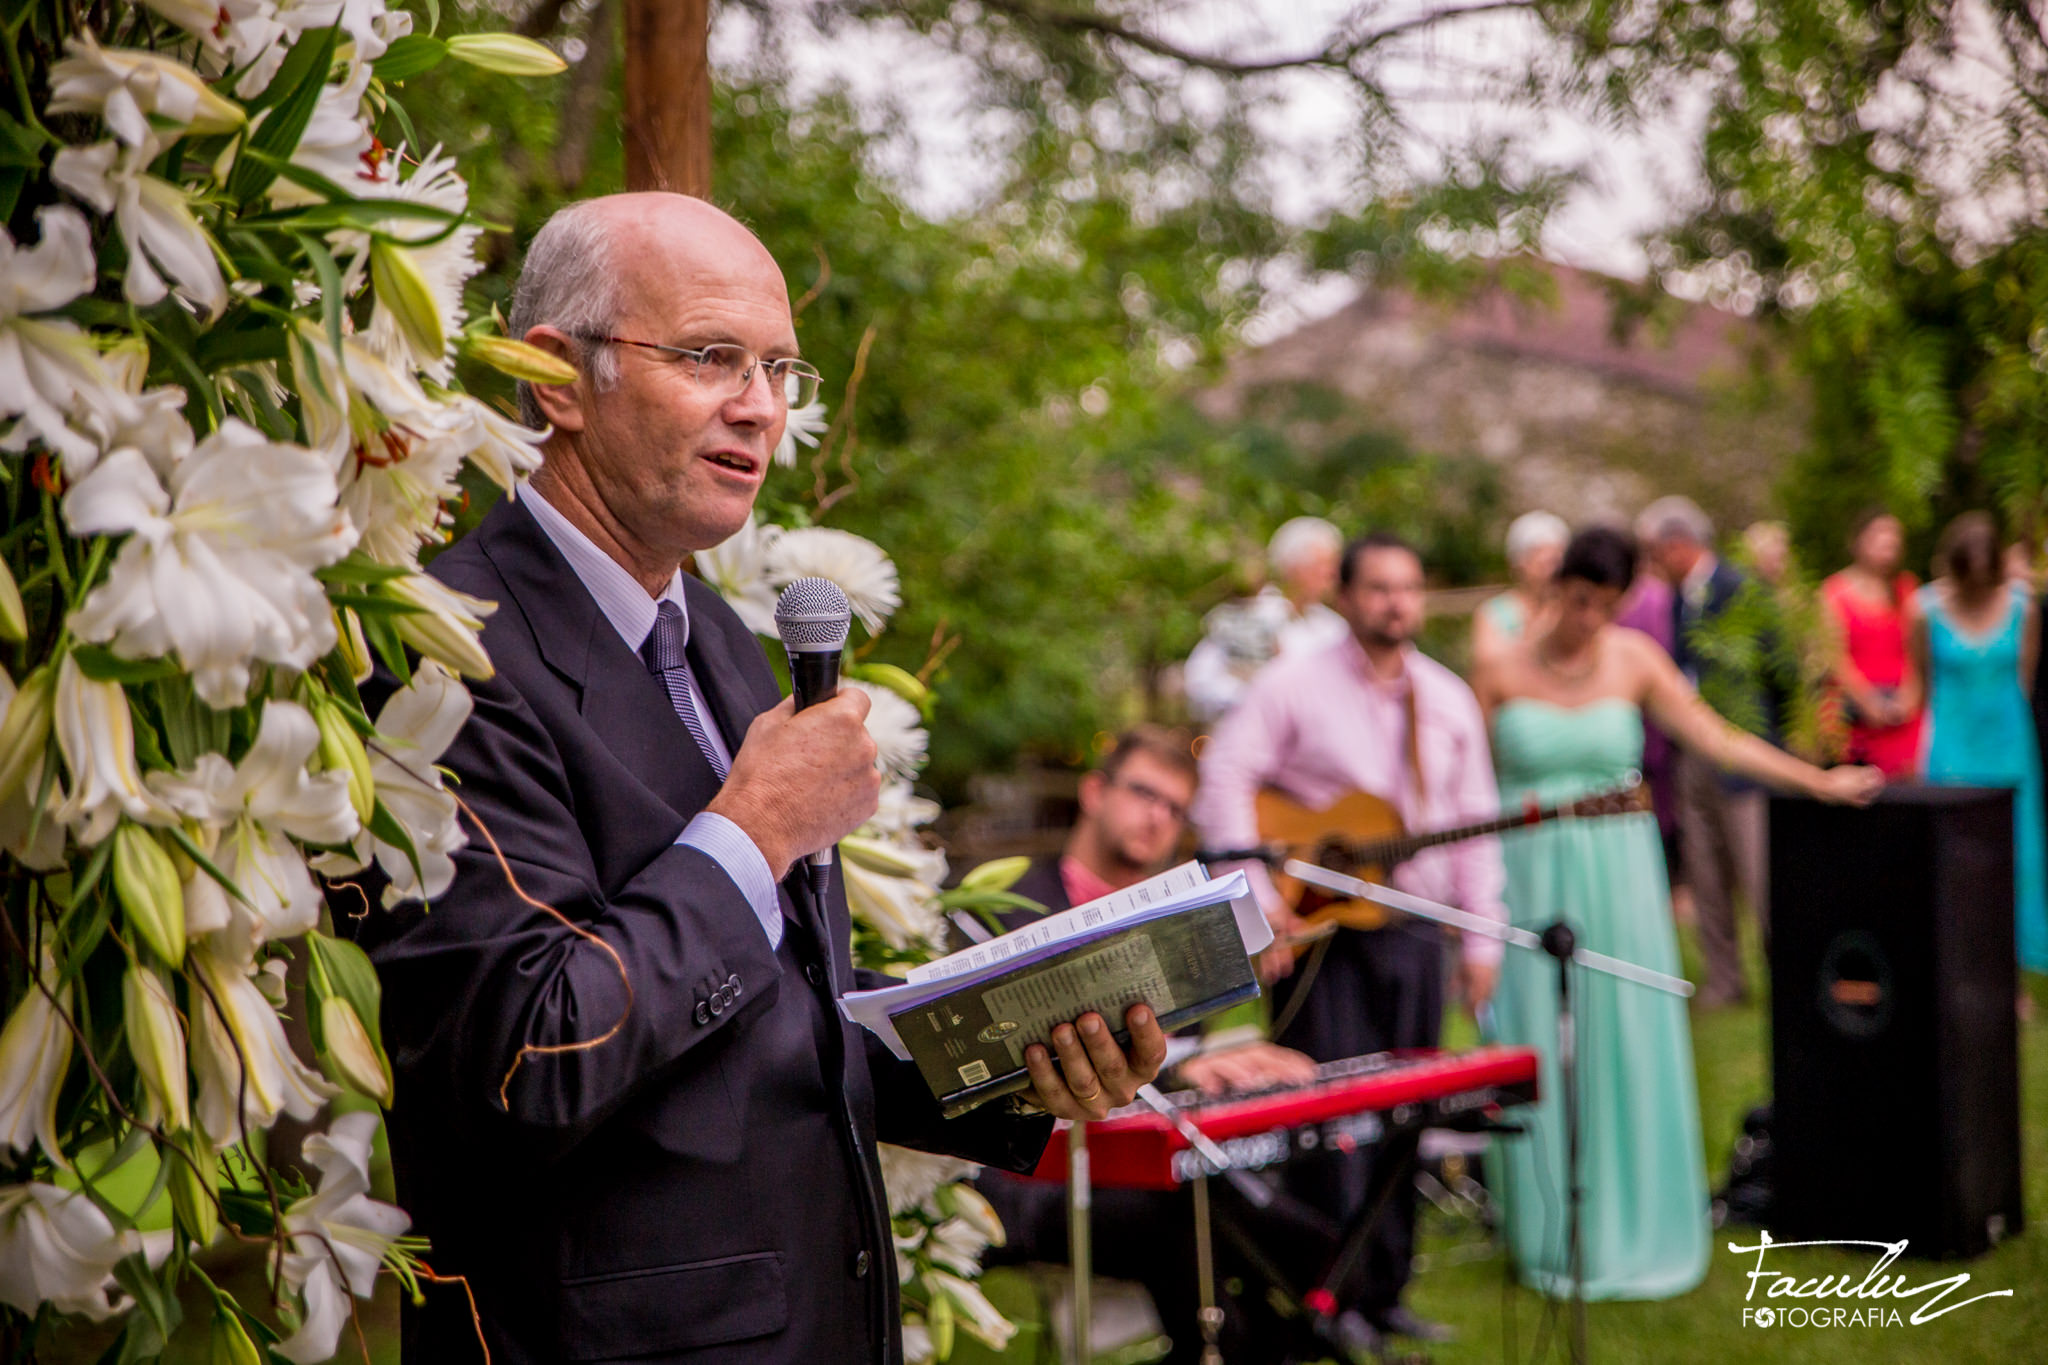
column 813, row 618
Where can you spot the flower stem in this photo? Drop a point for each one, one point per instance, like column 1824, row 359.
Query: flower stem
column 18, row 76
column 54, row 533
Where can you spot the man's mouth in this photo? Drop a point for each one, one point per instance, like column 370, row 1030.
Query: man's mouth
column 734, row 460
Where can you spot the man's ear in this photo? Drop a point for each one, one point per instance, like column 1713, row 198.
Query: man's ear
column 1092, row 784
column 561, row 404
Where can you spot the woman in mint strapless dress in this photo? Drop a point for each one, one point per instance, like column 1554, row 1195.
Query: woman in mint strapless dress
column 1567, row 704
column 1975, row 638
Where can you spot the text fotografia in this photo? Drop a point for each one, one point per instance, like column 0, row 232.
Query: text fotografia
column 1878, row 1299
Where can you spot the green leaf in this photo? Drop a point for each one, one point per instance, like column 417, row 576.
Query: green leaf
column 103, row 665
column 331, row 301
column 87, row 932
column 198, row 855
column 406, row 134
column 156, row 1314
column 21, row 145
column 409, row 56
column 360, row 569
column 386, row 827
column 390, row 650
column 279, row 134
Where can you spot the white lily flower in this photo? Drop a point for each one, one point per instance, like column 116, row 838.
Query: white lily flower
column 917, row 1338
column 249, row 1040
column 96, row 735
column 339, row 1236
column 249, row 813
column 897, row 730
column 806, row 424
column 504, row 448
column 238, row 35
column 155, row 218
column 856, row 564
column 121, row 413
column 980, row 1318
column 440, row 261
column 35, row 1051
column 337, row 145
column 739, row 568
column 899, row 810
column 957, row 1245
column 368, row 25
column 910, row 1178
column 445, row 626
column 414, row 729
column 58, row 1249
column 40, row 850
column 46, row 363
column 124, row 87
column 395, row 452
column 219, row 569
column 900, row 909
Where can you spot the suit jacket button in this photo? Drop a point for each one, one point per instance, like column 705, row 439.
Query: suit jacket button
column 860, row 1266
column 703, row 1012
column 732, row 983
column 717, row 1005
column 814, row 975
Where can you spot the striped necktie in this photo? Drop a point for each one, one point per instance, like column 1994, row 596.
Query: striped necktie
column 667, row 661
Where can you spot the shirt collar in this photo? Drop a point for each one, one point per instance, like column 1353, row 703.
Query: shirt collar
column 1361, row 663
column 617, row 593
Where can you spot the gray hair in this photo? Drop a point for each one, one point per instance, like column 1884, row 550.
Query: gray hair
column 1675, row 518
column 567, row 282
column 1535, row 531
column 1299, row 538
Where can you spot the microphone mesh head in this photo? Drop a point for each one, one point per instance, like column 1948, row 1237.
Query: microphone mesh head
column 813, row 614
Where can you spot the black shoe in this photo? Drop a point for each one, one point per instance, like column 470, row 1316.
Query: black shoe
column 1399, row 1322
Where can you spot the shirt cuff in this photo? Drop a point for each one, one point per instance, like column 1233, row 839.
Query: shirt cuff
column 728, row 845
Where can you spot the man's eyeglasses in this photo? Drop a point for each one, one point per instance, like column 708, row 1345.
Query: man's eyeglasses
column 1150, row 797
column 727, row 369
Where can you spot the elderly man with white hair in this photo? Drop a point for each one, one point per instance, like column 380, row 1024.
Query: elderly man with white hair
column 1535, row 547
column 1290, row 614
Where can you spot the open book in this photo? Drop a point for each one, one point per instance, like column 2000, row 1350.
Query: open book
column 1181, row 943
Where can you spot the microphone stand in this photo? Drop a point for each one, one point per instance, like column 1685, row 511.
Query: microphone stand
column 1559, row 942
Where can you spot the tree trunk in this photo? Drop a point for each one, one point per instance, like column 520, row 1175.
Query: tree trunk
column 668, row 96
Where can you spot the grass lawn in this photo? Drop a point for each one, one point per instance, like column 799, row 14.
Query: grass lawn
column 1465, row 1283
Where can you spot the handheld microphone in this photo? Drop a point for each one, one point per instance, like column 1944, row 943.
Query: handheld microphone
column 813, row 617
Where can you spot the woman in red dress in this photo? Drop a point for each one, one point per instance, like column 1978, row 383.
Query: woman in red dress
column 1871, row 605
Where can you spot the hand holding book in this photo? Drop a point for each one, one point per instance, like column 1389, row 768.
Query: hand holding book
column 1094, row 1075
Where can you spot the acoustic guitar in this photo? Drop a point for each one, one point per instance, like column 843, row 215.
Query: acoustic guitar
column 1362, row 836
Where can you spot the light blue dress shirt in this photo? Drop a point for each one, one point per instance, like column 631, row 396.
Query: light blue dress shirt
column 631, row 611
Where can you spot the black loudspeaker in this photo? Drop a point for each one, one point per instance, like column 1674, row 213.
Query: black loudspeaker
column 1895, row 1057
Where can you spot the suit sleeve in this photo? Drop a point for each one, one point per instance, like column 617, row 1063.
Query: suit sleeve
column 500, row 993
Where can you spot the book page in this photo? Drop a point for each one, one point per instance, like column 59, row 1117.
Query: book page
column 1169, row 885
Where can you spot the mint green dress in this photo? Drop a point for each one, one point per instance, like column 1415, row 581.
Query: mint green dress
column 1645, row 1219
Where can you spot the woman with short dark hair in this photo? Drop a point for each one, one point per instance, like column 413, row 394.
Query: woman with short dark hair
column 1567, row 704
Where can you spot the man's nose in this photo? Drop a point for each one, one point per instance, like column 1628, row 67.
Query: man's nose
column 757, row 404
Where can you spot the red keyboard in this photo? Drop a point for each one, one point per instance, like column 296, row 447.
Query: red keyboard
column 1349, row 1104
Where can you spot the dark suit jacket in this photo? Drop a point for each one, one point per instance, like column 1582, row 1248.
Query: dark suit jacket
column 702, row 1185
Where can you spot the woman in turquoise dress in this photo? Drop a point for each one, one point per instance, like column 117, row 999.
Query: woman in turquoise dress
column 1976, row 638
column 1567, row 705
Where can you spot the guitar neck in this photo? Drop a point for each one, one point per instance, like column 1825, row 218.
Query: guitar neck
column 1407, row 846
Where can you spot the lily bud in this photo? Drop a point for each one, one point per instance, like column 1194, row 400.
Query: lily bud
column 348, row 1055
column 193, row 1184
column 938, row 1319
column 900, row 681
column 341, row 750
column 445, row 626
column 25, row 731
column 508, row 54
column 146, row 883
column 877, row 856
column 156, row 1040
column 402, row 287
column 519, row 359
column 1000, row 874
column 13, row 616
column 355, row 650
column 229, row 1343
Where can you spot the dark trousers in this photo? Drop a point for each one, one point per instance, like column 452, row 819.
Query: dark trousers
column 1374, row 992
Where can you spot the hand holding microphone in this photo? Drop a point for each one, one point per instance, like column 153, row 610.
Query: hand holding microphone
column 800, row 782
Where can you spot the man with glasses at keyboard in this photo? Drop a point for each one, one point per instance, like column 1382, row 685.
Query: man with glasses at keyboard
column 628, row 1112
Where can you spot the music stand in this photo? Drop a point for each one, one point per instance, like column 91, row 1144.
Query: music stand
column 1556, row 941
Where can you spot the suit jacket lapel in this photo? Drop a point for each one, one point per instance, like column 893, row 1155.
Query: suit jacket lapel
column 620, row 700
